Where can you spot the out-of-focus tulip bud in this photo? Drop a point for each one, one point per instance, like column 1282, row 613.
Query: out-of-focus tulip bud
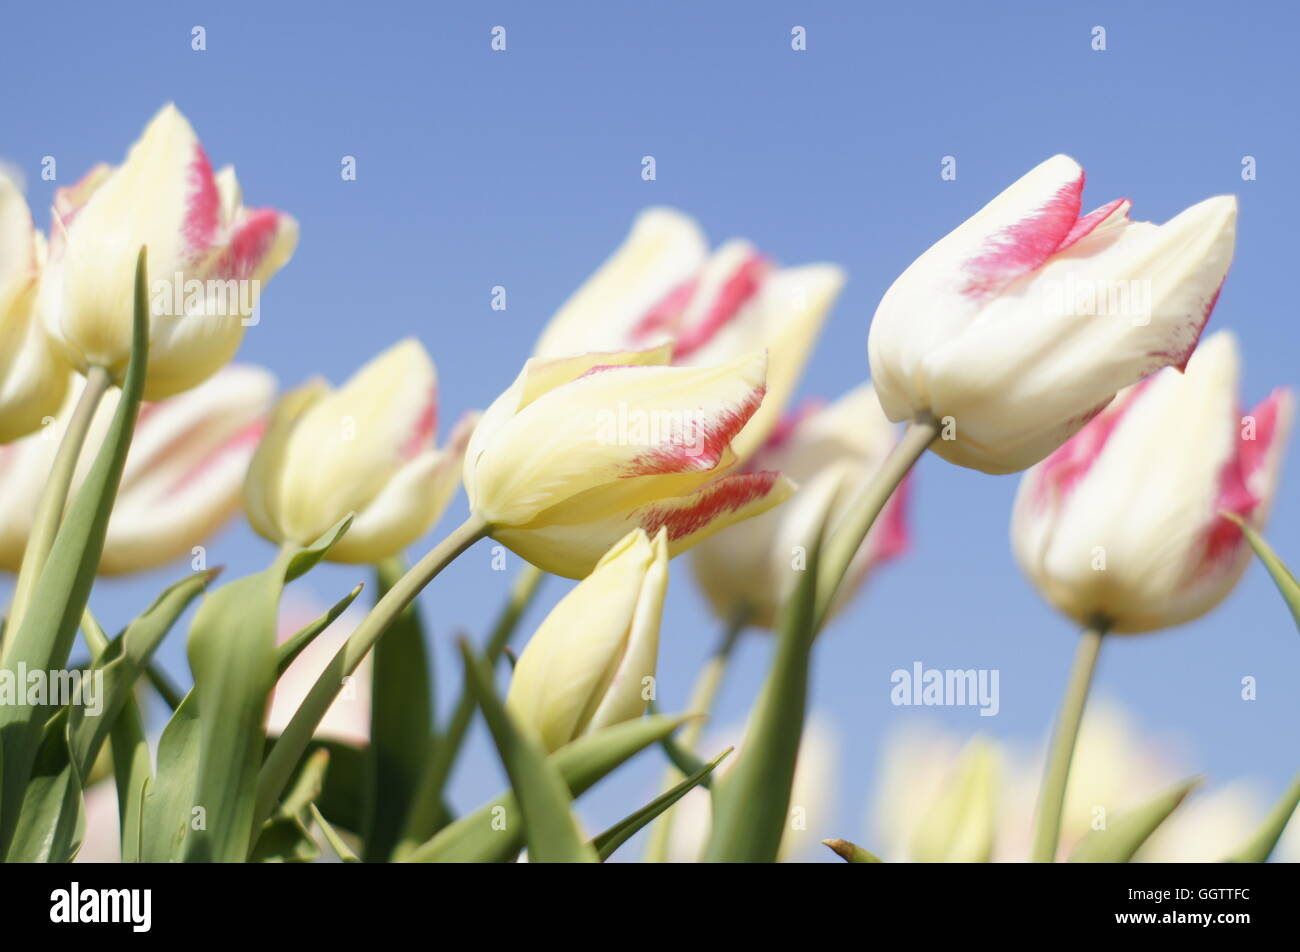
column 662, row 284
column 753, row 567
column 208, row 258
column 580, row 450
column 182, row 478
column 33, row 379
column 1021, row 325
column 1122, row 522
column 366, row 448
column 592, row 660
column 960, row 825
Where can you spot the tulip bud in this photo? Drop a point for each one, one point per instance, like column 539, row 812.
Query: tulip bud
column 182, row 477
column 1021, row 325
column 662, row 285
column 1122, row 522
column 208, row 256
column 367, row 448
column 755, row 565
column 581, row 450
column 587, row 666
column 33, row 379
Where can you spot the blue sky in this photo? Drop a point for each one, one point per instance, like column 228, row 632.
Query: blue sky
column 522, row 169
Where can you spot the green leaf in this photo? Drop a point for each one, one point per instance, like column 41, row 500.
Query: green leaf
column 550, row 829
column 1260, row 846
column 232, row 651
column 169, row 795
column 750, row 804
column 1286, row 582
column 494, row 832
column 629, row 826
column 44, row 637
column 681, row 758
column 292, row 647
column 851, row 852
column 401, row 724
column 341, row 798
column 1124, row 836
column 52, row 821
column 286, row 836
column 332, row 837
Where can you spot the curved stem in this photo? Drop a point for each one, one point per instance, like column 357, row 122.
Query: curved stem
column 423, row 820
column 1056, row 778
column 843, row 545
column 289, row 747
column 703, row 696
column 54, row 497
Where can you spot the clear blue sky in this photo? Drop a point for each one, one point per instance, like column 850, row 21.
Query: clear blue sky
column 523, row 169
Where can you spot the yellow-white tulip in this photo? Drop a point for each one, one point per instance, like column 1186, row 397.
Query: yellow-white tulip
column 208, row 257
column 1022, row 324
column 367, row 448
column 662, row 284
column 754, row 566
column 182, row 477
column 581, row 450
column 33, row 378
column 1123, row 522
column 590, row 663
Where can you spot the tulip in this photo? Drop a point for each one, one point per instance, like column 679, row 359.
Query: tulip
column 1022, row 325
column 182, row 477
column 1122, row 522
column 753, row 567
column 207, row 255
column 588, row 665
column 33, row 380
column 367, row 448
column 581, row 450
column 662, row 285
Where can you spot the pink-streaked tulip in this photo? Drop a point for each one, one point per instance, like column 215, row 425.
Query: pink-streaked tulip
column 367, row 448
column 589, row 664
column 33, row 378
column 208, row 257
column 182, row 478
column 663, row 284
column 1122, row 522
column 581, row 450
column 754, row 566
column 1023, row 323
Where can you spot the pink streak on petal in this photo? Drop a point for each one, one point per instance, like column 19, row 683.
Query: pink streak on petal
column 714, row 500
column 1025, row 245
column 1069, row 464
column 697, row 448
column 1224, row 538
column 253, row 237
column 203, row 210
column 422, row 434
column 889, row 536
column 1085, row 225
column 663, row 317
column 242, row 443
column 737, row 291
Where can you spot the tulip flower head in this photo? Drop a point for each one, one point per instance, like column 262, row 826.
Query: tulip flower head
column 589, row 664
column 662, row 284
column 208, row 256
column 1122, row 522
column 367, row 448
column 33, row 378
column 1021, row 325
column 581, row 450
column 182, row 478
column 754, row 566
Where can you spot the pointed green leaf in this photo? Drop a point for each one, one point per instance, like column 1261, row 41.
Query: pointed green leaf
column 1124, row 836
column 851, row 852
column 629, row 826
column 1286, row 582
column 292, row 647
column 550, row 829
column 1260, row 847
column 43, row 639
column 332, row 837
column 494, row 832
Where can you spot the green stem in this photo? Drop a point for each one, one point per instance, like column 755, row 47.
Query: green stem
column 423, row 819
column 54, row 497
column 1057, row 775
column 861, row 514
column 703, row 696
column 283, row 758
